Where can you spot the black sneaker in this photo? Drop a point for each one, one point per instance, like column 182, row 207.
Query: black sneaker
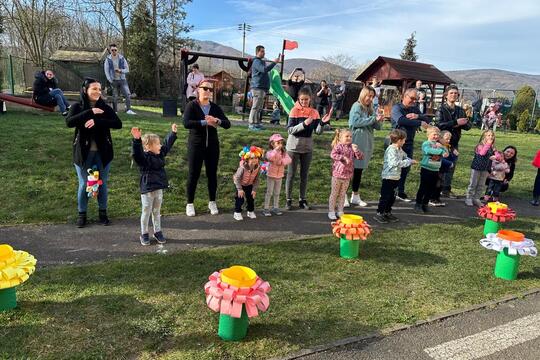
column 304, row 205
column 160, row 238
column 81, row 220
column 145, row 239
column 380, row 218
column 418, row 208
column 425, row 208
column 436, row 203
column 390, row 217
column 65, row 113
column 535, row 202
column 289, row 205
column 103, row 218
column 403, row 197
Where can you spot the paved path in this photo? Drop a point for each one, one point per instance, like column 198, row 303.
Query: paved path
column 508, row 331
column 66, row 244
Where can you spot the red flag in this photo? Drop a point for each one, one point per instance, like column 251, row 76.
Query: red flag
column 290, row 45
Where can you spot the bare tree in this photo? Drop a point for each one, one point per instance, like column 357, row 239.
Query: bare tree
column 33, row 22
column 345, row 61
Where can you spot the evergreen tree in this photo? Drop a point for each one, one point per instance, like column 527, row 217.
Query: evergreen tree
column 523, row 121
column 1, row 51
column 408, row 51
column 523, row 101
column 141, row 42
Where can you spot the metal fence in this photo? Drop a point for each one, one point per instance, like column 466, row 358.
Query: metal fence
column 12, row 76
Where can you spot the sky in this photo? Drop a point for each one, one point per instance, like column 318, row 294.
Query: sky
column 452, row 35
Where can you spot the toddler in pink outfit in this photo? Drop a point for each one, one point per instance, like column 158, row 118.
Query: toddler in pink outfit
column 343, row 154
column 277, row 160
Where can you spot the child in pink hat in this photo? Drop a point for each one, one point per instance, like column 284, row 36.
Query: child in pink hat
column 277, row 160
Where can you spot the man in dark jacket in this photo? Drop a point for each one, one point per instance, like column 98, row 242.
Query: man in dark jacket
column 452, row 118
column 407, row 117
column 47, row 93
column 260, row 84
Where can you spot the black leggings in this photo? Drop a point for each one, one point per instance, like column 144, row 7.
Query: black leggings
column 536, row 189
column 357, row 179
column 196, row 157
column 428, row 183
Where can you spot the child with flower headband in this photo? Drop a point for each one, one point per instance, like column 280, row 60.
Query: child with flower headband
column 277, row 160
column 246, row 180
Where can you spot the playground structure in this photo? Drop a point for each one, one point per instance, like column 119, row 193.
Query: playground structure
column 189, row 57
column 403, row 74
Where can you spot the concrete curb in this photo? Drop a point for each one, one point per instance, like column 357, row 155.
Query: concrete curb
column 397, row 328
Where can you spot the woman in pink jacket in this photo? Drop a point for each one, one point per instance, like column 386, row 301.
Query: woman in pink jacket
column 277, row 160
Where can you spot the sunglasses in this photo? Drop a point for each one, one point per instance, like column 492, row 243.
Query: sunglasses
column 206, row 88
column 114, row 50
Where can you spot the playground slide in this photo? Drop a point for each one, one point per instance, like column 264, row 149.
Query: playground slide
column 277, row 90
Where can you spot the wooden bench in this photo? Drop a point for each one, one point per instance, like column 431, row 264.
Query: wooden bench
column 25, row 101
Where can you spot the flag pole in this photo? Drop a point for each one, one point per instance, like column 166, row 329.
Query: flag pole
column 282, row 61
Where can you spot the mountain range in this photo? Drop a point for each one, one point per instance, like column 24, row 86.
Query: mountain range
column 317, row 69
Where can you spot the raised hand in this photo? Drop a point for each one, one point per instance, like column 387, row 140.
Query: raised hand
column 136, row 132
column 174, row 128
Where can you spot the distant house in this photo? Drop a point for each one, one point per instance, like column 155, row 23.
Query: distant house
column 224, row 87
column 72, row 65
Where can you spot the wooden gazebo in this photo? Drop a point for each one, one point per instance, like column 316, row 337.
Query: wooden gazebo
column 403, row 74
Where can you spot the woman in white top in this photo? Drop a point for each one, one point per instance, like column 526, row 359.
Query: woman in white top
column 193, row 80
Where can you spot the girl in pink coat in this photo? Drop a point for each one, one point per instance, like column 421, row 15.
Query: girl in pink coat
column 343, row 154
column 277, row 160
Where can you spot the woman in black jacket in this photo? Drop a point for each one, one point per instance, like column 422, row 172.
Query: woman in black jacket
column 202, row 117
column 47, row 93
column 92, row 119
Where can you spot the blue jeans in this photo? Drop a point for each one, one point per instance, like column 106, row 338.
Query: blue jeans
column 61, row 100
column 123, row 87
column 82, row 173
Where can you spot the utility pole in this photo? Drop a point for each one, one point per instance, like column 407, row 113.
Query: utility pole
column 532, row 123
column 244, row 28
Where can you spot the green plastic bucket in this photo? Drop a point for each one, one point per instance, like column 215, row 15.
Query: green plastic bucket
column 231, row 328
column 349, row 249
column 8, row 299
column 507, row 266
column 491, row 227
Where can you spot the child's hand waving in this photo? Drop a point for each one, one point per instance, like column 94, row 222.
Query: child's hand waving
column 136, row 132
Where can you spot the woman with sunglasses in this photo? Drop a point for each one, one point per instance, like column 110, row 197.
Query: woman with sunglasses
column 92, row 119
column 202, row 117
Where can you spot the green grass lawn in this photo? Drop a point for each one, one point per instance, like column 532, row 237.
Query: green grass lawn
column 154, row 306
column 39, row 180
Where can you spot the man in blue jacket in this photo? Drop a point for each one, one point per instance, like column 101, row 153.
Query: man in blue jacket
column 407, row 117
column 260, row 84
column 116, row 67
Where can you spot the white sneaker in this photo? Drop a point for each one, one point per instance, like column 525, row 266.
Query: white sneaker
column 477, row 203
column 468, row 202
column 355, row 199
column 340, row 214
column 332, row 215
column 238, row 216
column 251, row 215
column 213, row 208
column 346, row 203
column 131, row 112
column 190, row 210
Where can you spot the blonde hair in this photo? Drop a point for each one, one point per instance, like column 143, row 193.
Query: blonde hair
column 363, row 94
column 149, row 139
column 483, row 136
column 338, row 134
column 432, row 129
